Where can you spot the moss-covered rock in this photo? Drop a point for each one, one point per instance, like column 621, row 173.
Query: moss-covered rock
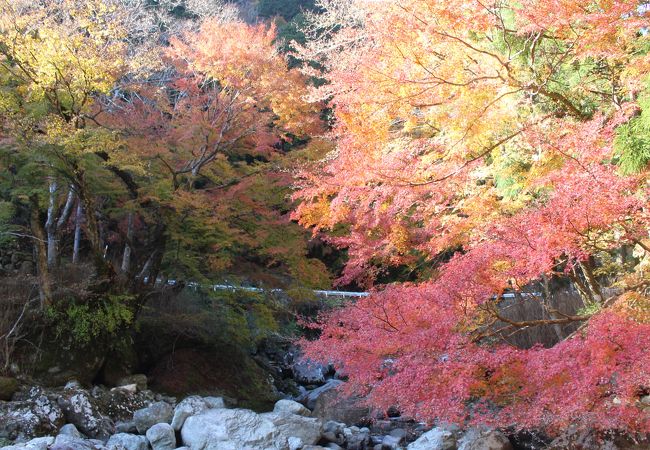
column 225, row 371
column 63, row 360
column 8, row 386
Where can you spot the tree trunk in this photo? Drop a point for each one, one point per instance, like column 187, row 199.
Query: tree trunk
column 546, row 299
column 50, row 225
column 103, row 267
column 126, row 257
column 45, row 283
column 592, row 283
column 77, row 233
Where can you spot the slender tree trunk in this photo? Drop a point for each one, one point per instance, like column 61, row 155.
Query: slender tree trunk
column 54, row 225
column 144, row 273
column 50, row 225
column 77, row 233
column 592, row 283
column 126, row 257
column 45, row 283
column 103, row 267
column 547, row 306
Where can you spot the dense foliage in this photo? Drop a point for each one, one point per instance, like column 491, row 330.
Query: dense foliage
column 457, row 151
column 485, row 146
column 157, row 144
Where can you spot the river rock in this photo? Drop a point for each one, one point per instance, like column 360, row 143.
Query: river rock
column 310, row 397
column 391, row 442
column 159, row 412
column 120, row 404
column 229, row 429
column 576, row 438
column 139, row 380
column 35, row 416
column 214, row 402
column 291, row 407
column 356, row 439
column 308, row 429
column 80, row 409
column 162, row 437
column 67, row 442
column 127, row 441
column 191, row 406
column 41, row 443
column 70, row 430
column 435, row 439
column 295, row 443
column 330, row 403
column 8, row 387
column 484, row 439
column 306, row 371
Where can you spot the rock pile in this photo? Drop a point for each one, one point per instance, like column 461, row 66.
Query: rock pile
column 129, row 418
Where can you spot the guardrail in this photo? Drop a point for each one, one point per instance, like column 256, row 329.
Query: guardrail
column 231, row 287
column 326, row 293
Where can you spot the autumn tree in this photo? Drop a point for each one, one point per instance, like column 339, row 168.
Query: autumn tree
column 128, row 132
column 205, row 131
column 479, row 145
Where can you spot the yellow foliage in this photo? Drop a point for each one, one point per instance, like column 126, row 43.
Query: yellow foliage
column 634, row 306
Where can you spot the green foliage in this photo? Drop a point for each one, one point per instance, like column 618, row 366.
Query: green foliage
column 632, row 143
column 284, row 8
column 7, row 211
column 103, row 318
column 590, row 309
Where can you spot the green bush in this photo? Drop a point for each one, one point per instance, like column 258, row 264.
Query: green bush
column 103, row 318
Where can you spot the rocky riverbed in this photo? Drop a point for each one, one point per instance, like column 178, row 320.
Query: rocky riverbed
column 130, row 417
column 314, row 415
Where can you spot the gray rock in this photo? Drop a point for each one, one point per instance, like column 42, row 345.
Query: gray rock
column 139, row 380
column 214, row 402
column 435, row 439
column 120, row 404
column 332, row 446
column 484, row 439
column 190, row 406
column 162, row 437
column 159, row 412
column 309, row 399
column 306, row 371
column 34, row 416
column 229, row 429
column 72, row 385
column 356, row 439
column 398, row 432
column 67, row 442
column 126, row 441
column 295, row 443
column 330, row 403
column 126, row 427
column 41, row 443
column 577, row 438
column 391, row 442
column 291, row 407
column 80, row 409
column 334, row 427
column 70, row 430
column 308, row 429
column 128, row 388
